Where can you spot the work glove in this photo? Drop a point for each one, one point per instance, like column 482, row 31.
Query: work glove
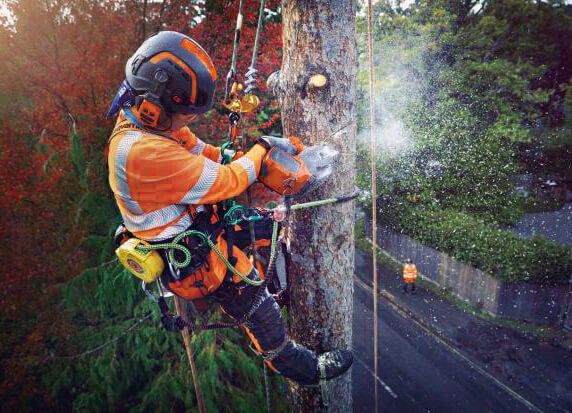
column 271, row 141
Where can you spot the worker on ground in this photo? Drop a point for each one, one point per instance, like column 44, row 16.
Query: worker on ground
column 165, row 181
column 409, row 275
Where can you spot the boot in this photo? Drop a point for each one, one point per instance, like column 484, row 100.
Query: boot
column 334, row 363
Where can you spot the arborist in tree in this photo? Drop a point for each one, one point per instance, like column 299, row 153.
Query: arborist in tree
column 409, row 275
column 167, row 182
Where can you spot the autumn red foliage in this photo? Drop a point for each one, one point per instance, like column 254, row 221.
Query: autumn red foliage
column 60, row 64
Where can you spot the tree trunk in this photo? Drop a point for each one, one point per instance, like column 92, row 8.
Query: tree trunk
column 319, row 38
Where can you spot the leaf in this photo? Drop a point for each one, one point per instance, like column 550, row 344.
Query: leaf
column 52, row 158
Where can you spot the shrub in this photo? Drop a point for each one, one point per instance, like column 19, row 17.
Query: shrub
column 486, row 246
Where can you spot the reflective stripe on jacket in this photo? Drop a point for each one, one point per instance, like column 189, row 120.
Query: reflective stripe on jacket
column 156, row 178
column 409, row 272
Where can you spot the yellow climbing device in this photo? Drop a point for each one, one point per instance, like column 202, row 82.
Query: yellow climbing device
column 143, row 263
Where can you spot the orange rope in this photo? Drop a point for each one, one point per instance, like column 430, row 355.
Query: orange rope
column 373, row 192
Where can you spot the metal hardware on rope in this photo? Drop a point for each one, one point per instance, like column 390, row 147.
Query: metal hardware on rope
column 238, row 212
column 252, row 72
column 226, row 158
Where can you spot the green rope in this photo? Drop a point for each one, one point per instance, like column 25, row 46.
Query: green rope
column 230, row 216
column 315, row 203
column 227, row 158
column 273, row 243
column 174, row 245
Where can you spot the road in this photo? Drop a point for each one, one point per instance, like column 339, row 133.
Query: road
column 417, row 373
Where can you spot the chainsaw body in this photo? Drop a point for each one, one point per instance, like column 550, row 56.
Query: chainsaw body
column 284, row 173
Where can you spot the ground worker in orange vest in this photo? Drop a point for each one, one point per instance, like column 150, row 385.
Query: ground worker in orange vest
column 409, row 275
column 166, row 181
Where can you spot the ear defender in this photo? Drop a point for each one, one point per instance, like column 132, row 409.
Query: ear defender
column 149, row 112
column 150, row 109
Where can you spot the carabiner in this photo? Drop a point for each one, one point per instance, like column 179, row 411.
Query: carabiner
column 148, row 292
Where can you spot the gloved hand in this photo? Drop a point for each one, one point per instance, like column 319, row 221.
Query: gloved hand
column 270, row 141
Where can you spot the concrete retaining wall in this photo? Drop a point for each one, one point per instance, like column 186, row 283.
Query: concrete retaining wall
column 521, row 301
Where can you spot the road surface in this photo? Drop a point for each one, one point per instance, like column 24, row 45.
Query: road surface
column 417, row 373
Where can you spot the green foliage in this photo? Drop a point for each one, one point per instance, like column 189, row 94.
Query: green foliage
column 147, row 369
column 483, row 245
column 105, row 291
column 461, row 88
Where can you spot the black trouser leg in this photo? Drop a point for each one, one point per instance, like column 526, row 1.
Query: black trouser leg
column 405, row 287
column 412, row 287
column 268, row 334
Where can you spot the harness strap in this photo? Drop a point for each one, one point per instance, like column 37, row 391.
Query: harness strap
column 270, row 355
column 228, row 237
column 174, row 323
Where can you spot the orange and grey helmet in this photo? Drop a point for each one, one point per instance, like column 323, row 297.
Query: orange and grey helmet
column 171, row 71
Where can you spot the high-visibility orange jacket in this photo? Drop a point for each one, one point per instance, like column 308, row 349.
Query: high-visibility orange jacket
column 155, row 179
column 158, row 182
column 409, row 273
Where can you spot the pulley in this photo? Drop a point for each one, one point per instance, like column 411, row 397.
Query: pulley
column 238, row 102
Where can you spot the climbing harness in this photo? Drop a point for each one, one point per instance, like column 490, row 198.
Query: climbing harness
column 174, row 323
column 137, row 255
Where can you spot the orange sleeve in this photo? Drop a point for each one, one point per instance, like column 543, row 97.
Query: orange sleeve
column 233, row 179
column 161, row 171
column 196, row 146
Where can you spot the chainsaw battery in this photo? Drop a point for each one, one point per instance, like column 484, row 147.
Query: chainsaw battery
column 283, row 173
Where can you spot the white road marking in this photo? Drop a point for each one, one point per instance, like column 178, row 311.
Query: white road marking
column 441, row 340
column 383, row 384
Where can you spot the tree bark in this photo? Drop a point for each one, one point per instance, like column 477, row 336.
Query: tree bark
column 319, row 38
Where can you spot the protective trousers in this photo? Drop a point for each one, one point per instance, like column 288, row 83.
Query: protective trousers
column 267, row 331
